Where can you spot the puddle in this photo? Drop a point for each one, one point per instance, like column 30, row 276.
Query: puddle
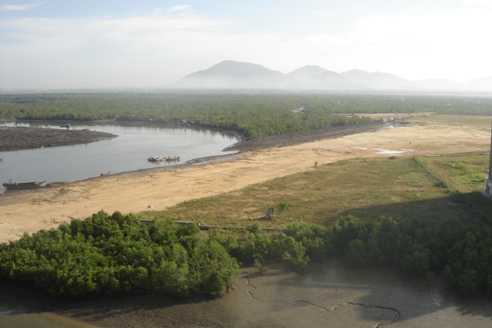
column 387, row 152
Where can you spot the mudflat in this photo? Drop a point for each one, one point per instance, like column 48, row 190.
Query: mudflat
column 329, row 294
column 16, row 138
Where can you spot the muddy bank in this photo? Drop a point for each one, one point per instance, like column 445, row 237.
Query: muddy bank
column 329, row 294
column 283, row 140
column 17, row 138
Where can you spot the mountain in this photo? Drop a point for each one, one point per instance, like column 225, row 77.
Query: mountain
column 232, row 75
column 378, row 80
column 248, row 76
column 319, row 78
column 305, row 72
column 239, row 75
column 436, row 85
column 329, row 80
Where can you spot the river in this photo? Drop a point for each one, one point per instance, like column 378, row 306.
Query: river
column 127, row 152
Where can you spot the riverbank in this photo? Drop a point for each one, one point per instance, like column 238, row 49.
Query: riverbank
column 18, row 138
column 292, row 139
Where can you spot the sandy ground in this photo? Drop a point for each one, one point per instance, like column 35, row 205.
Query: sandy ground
column 135, row 192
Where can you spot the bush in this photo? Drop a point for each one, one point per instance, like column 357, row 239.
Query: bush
column 113, row 254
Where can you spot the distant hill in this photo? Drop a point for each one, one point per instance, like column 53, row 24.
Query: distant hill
column 304, row 73
column 328, row 80
column 232, row 75
column 437, row 85
column 378, row 80
column 239, row 75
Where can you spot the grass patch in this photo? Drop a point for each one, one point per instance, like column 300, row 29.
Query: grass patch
column 366, row 188
column 466, row 173
column 454, row 120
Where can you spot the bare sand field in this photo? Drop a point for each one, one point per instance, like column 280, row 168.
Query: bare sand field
column 329, row 295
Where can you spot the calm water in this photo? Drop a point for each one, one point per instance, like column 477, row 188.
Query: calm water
column 127, row 152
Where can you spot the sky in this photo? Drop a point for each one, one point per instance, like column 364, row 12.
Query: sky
column 60, row 44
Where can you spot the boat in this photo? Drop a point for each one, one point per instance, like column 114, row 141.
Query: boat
column 159, row 159
column 65, row 126
column 154, row 159
column 23, row 185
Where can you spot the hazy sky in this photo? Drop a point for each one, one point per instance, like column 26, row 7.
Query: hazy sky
column 148, row 43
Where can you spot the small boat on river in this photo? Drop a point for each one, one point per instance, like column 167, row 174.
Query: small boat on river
column 23, row 185
column 159, row 159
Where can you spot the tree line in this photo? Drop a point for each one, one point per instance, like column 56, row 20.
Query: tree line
column 117, row 254
column 254, row 115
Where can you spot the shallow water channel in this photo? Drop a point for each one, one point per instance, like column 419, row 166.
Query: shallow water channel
column 127, row 152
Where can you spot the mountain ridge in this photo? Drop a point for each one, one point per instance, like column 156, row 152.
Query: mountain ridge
column 230, row 74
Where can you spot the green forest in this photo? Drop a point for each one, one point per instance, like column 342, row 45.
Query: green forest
column 254, row 115
column 107, row 254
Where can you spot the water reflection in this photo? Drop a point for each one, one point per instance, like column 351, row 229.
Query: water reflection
column 127, row 152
